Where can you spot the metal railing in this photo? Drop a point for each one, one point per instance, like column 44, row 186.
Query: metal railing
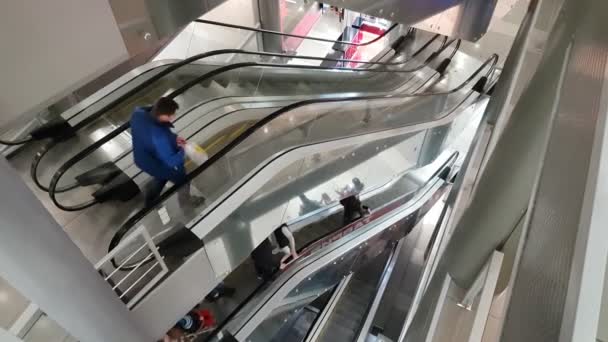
column 119, row 279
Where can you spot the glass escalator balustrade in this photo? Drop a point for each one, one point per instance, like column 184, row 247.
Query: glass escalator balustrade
column 230, row 233
column 315, row 124
column 246, row 82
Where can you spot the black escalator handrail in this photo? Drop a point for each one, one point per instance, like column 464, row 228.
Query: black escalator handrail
column 247, row 28
column 52, row 189
column 133, row 220
column 134, row 90
column 17, row 142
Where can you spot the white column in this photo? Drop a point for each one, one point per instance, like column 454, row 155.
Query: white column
column 270, row 19
column 40, row 260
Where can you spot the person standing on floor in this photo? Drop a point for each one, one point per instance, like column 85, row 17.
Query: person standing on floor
column 159, row 152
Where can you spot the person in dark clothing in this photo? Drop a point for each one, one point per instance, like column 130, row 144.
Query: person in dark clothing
column 266, row 263
column 159, row 152
column 353, row 209
column 268, row 260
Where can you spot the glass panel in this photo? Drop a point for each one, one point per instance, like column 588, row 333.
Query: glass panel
column 325, row 178
column 201, row 105
column 308, row 125
column 298, row 191
column 47, row 330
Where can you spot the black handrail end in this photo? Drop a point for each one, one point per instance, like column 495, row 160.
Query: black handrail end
column 443, row 66
column 480, row 85
column 57, row 129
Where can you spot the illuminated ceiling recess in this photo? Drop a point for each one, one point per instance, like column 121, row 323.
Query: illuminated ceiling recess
column 466, row 19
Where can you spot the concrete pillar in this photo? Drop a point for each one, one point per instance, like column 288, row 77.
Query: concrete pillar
column 270, row 19
column 39, row 259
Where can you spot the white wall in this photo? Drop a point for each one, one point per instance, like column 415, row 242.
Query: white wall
column 199, row 38
column 49, row 48
column 602, row 334
column 5, row 336
column 40, row 260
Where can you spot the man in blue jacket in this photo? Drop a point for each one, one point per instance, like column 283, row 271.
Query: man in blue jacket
column 158, row 151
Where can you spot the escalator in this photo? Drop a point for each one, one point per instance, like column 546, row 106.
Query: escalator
column 349, row 275
column 230, row 231
column 347, row 319
column 341, row 314
column 244, row 165
column 245, row 177
column 213, row 120
column 346, row 312
column 278, row 145
column 192, row 84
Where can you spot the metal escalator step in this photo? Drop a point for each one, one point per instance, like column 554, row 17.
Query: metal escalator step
column 352, row 304
column 346, row 320
column 337, row 333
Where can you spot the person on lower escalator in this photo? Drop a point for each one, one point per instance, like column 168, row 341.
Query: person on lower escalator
column 353, row 209
column 266, row 263
column 268, row 259
column 159, row 152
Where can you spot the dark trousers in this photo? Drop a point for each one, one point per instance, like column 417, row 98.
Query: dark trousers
column 157, row 186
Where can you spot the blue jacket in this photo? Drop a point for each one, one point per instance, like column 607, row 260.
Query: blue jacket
column 155, row 148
